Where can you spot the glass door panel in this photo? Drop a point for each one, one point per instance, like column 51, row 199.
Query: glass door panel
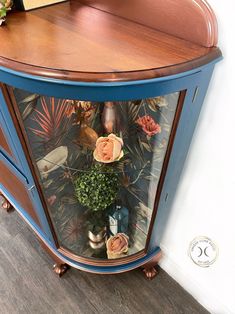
column 98, row 164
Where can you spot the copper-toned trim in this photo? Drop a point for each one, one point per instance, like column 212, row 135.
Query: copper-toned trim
column 149, row 268
column 60, row 269
column 98, row 262
column 213, row 54
column 165, row 164
column 5, row 204
column 15, row 114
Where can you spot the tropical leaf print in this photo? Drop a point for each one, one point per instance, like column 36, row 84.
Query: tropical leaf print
column 52, row 120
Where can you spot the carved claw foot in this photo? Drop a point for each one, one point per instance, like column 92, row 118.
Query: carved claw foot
column 6, row 205
column 150, row 273
column 60, row 269
column 149, row 269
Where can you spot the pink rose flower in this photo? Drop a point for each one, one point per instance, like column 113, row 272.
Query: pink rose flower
column 108, row 149
column 148, row 125
column 117, row 246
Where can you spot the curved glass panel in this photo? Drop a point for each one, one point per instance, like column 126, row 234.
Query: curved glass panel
column 98, row 165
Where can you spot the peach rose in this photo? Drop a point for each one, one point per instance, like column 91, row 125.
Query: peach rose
column 117, row 245
column 108, row 149
column 148, row 125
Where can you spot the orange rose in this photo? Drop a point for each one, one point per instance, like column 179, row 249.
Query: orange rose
column 108, row 149
column 148, row 125
column 117, row 246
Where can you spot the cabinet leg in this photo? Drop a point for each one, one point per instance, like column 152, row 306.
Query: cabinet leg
column 149, row 269
column 60, row 269
column 5, row 204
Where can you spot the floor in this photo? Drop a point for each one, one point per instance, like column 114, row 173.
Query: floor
column 28, row 284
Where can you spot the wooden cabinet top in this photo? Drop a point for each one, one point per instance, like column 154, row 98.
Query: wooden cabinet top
column 76, row 41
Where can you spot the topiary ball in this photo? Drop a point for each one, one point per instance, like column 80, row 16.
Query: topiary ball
column 97, row 188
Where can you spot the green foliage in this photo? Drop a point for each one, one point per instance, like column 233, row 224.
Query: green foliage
column 4, row 7
column 98, row 187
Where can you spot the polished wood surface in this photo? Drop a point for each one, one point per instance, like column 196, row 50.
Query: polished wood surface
column 77, row 42
column 193, row 20
column 18, row 190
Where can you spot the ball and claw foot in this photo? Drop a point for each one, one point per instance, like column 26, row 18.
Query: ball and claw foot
column 6, row 205
column 149, row 269
column 60, row 269
column 150, row 273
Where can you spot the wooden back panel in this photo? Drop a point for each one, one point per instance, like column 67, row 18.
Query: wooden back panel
column 193, row 20
column 4, row 144
column 18, row 190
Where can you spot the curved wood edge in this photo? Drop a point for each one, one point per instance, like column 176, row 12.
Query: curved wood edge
column 192, row 20
column 213, row 54
column 106, row 262
column 212, row 25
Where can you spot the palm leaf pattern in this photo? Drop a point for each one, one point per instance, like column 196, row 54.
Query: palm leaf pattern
column 52, row 120
column 48, row 125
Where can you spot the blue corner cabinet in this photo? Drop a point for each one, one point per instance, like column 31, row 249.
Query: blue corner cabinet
column 92, row 148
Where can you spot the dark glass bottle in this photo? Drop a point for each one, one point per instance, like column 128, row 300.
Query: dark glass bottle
column 118, row 220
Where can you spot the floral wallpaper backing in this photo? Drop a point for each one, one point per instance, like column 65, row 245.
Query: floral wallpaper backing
column 98, row 164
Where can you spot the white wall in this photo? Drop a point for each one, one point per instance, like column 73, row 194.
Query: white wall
column 205, row 200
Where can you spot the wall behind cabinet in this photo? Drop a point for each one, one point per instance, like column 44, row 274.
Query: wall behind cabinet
column 205, row 200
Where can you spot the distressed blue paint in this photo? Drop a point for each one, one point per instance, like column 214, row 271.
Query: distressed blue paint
column 114, row 91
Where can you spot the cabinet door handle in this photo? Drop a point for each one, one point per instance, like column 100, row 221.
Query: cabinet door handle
column 31, row 188
column 195, row 94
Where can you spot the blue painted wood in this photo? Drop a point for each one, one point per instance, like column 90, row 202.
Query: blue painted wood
column 24, row 170
column 9, row 140
column 117, row 91
column 33, row 195
column 187, row 124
